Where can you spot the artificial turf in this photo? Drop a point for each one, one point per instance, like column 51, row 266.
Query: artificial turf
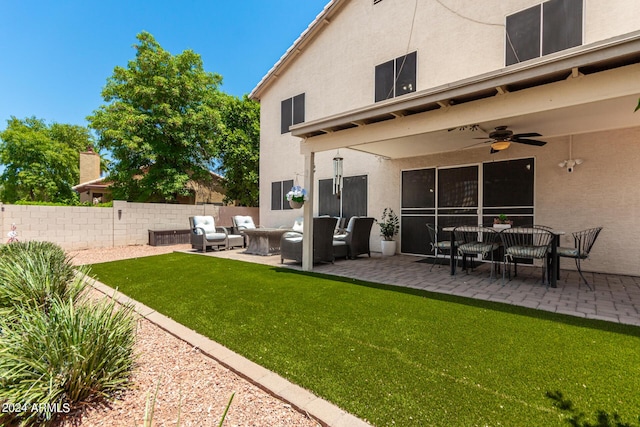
column 390, row 355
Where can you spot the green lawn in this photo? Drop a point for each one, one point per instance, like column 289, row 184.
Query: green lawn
column 391, row 355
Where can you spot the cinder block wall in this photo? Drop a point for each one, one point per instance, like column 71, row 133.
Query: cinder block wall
column 124, row 224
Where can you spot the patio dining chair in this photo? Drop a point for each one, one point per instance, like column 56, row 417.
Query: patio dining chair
column 438, row 245
column 357, row 236
column 473, row 241
column 323, row 250
column 522, row 243
column 583, row 241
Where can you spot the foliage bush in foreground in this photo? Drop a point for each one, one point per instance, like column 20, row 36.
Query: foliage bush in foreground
column 56, row 349
column 33, row 273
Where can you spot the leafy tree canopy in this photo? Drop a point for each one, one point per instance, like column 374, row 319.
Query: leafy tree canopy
column 238, row 149
column 160, row 122
column 41, row 161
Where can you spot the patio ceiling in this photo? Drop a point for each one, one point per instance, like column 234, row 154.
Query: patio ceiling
column 591, row 89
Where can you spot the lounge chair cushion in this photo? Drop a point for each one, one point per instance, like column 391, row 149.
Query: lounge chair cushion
column 298, row 225
column 244, row 222
column 207, row 224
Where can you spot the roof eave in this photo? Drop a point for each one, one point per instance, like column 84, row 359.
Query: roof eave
column 314, row 28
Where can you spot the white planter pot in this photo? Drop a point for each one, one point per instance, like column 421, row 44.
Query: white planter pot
column 501, row 226
column 388, row 247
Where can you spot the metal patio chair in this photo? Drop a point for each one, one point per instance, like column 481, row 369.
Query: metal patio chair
column 438, row 245
column 474, row 241
column 526, row 243
column 583, row 241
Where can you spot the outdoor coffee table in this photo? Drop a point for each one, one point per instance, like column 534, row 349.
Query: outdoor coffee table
column 264, row 241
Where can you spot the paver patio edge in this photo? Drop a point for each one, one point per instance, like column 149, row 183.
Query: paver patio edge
column 320, row 410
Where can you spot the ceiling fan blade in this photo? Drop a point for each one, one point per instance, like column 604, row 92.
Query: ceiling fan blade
column 528, row 141
column 493, row 151
column 482, row 137
column 525, row 135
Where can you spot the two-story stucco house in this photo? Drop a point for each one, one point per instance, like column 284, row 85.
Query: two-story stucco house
column 410, row 93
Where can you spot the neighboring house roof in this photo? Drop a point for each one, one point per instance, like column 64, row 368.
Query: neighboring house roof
column 104, row 184
column 318, row 25
column 99, row 183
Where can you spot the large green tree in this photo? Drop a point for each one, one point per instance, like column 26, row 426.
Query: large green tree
column 238, row 149
column 40, row 161
column 160, row 122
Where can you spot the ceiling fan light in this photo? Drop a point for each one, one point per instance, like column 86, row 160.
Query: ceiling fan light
column 500, row 145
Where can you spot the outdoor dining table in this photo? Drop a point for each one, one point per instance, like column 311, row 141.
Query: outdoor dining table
column 554, row 259
column 264, row 241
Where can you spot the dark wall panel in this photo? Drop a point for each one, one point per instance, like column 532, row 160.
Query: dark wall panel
column 298, row 109
column 384, row 81
column 354, row 196
column 523, row 36
column 285, row 115
column 276, row 196
column 561, row 25
column 329, row 203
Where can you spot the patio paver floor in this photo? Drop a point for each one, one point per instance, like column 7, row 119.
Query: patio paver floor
column 615, row 298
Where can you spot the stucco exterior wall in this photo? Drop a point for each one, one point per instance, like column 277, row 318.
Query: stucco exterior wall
column 337, row 70
column 336, row 73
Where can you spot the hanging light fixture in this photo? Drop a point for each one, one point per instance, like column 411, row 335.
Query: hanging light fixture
column 500, row 145
column 337, row 174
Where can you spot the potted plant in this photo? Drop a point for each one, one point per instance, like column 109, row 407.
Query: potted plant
column 297, row 196
column 502, row 222
column 389, row 227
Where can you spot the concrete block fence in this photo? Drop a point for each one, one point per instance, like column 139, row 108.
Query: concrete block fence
column 124, row 224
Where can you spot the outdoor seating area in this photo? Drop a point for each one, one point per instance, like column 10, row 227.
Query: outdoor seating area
column 205, row 234
column 506, row 246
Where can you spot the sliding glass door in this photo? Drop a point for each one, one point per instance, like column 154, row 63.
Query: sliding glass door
column 464, row 195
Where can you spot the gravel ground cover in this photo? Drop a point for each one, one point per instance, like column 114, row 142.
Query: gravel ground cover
column 192, row 386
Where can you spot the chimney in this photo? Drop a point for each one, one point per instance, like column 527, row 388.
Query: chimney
column 89, row 165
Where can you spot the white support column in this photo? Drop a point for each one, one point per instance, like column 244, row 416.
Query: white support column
column 307, row 242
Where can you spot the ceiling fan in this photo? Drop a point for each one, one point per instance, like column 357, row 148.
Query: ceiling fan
column 501, row 138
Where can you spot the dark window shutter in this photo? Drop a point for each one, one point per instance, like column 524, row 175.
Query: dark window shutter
column 523, row 36
column 561, row 25
column 384, row 81
column 298, row 109
column 276, row 196
column 286, row 186
column 354, row 196
column 285, row 115
column 329, row 203
column 406, row 74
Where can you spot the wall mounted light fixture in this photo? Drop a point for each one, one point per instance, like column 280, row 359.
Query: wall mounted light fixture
column 570, row 163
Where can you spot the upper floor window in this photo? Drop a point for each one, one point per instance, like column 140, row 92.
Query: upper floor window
column 396, row 77
column 546, row 28
column 292, row 110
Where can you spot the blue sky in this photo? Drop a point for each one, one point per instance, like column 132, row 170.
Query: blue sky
column 55, row 56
